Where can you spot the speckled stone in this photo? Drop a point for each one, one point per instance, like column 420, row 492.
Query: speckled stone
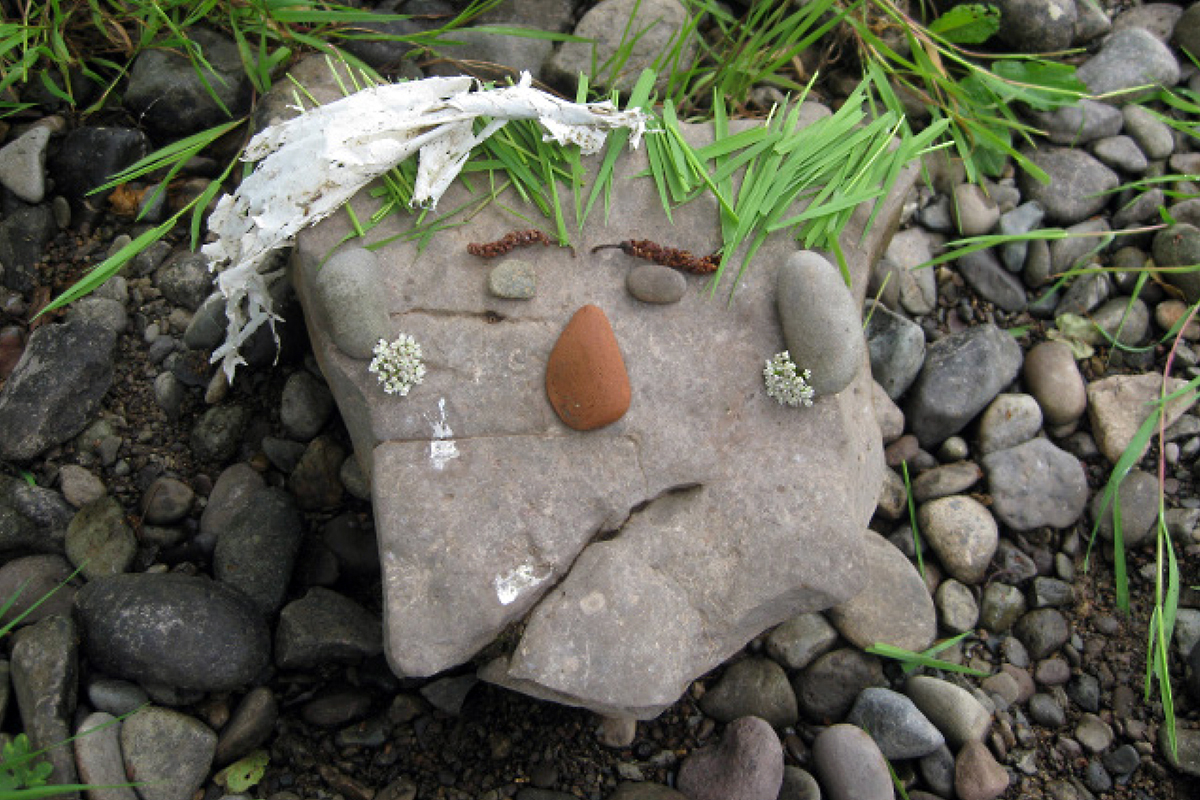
column 654, row 283
column 513, row 279
column 586, row 379
column 962, row 532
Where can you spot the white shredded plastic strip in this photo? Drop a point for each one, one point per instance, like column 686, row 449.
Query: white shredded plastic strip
column 311, row 165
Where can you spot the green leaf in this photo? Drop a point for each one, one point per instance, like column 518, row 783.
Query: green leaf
column 241, row 775
column 967, row 24
column 920, row 659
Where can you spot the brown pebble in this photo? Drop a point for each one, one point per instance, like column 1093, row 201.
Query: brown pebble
column 586, row 379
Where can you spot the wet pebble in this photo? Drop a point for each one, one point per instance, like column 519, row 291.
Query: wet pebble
column 325, row 627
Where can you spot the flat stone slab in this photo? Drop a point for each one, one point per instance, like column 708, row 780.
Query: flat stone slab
column 606, row 568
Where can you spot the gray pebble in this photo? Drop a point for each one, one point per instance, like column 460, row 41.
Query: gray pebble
column 305, row 406
column 1011, row 419
column 956, row 713
column 1045, row 711
column 513, row 279
column 654, row 283
column 1001, row 607
column 168, row 752
column 752, row 687
column 821, row 323
column 23, row 164
column 100, row 541
column 1036, row 484
column 850, row 765
column 1042, row 631
column 893, row 721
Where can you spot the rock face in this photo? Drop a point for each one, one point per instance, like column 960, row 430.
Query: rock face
column 638, row 555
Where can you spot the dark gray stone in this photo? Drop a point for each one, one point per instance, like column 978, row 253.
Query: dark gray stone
column 325, row 627
column 218, row 433
column 255, row 553
column 1042, row 631
column 250, row 725
column 56, row 387
column 171, row 629
column 305, row 406
column 1179, row 246
column 987, row 276
column 89, row 156
column 962, row 374
column 168, row 92
column 752, row 687
column 828, row 687
column 897, row 349
column 33, row 519
column 24, row 234
column 186, row 281
column 1037, row 26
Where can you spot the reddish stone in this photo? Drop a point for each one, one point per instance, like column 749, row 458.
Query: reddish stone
column 586, row 379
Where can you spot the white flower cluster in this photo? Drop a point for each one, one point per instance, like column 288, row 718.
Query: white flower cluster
column 785, row 383
column 398, row 364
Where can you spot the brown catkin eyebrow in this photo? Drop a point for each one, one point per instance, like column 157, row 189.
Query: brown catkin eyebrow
column 507, row 243
column 666, row 256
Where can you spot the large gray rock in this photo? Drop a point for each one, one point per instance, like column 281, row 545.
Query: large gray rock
column 56, row 387
column 491, row 512
column 172, row 630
